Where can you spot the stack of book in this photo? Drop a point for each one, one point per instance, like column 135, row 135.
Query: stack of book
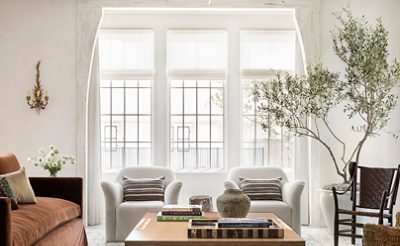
column 234, row 228
column 180, row 213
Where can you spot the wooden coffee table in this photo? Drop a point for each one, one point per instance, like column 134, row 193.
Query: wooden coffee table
column 150, row 232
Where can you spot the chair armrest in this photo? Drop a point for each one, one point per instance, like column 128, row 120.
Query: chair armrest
column 291, row 192
column 229, row 184
column 113, row 196
column 172, row 192
column 5, row 221
column 113, row 193
column 68, row 188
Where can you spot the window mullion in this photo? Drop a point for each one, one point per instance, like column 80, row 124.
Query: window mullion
column 210, row 150
column 197, row 125
column 137, row 120
column 183, row 124
column 124, row 124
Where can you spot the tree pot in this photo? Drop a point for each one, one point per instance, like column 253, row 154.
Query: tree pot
column 233, row 204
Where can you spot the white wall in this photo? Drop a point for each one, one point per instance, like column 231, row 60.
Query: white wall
column 29, row 31
column 379, row 151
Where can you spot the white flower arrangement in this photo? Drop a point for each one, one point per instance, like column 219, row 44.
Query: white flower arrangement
column 52, row 161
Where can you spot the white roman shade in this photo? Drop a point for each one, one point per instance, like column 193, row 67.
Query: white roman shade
column 127, row 54
column 266, row 52
column 197, row 54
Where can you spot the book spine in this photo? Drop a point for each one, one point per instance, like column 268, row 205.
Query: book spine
column 181, row 210
column 235, row 233
column 244, row 225
column 177, row 218
column 181, row 213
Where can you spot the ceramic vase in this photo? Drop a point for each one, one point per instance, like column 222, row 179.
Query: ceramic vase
column 233, row 204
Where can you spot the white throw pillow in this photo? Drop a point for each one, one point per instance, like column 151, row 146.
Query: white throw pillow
column 20, row 186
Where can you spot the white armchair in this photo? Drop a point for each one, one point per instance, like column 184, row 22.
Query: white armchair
column 121, row 217
column 288, row 209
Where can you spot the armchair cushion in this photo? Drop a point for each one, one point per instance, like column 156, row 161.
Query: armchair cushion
column 261, row 189
column 144, row 189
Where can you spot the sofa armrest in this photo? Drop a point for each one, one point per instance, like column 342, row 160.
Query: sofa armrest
column 67, row 188
column 291, row 194
column 5, row 221
column 172, row 192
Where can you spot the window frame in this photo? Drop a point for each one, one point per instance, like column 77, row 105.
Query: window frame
column 124, row 75
column 248, row 78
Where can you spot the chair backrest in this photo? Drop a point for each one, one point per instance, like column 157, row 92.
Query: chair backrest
column 256, row 173
column 8, row 163
column 147, row 172
column 373, row 183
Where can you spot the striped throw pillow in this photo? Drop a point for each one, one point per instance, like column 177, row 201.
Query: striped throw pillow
column 261, row 189
column 146, row 189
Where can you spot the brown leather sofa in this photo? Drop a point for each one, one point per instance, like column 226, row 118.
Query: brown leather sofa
column 55, row 220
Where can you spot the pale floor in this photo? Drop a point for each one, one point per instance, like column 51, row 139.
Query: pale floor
column 313, row 237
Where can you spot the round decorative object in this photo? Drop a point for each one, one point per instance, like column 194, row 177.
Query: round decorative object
column 233, row 204
column 205, row 201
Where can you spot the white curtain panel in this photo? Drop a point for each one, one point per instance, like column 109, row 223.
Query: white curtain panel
column 94, row 194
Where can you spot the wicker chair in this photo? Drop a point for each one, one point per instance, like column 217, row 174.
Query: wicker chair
column 379, row 235
column 376, row 197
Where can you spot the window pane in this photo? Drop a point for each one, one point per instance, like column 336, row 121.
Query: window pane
column 217, row 101
column 203, row 101
column 204, row 128
column 117, row 155
column 145, row 128
column 203, row 155
column 190, row 101
column 176, row 121
column 131, row 128
column 217, row 128
column 131, row 83
column 131, row 101
column 117, row 101
column 131, row 153
column 190, row 129
column 144, row 154
column 176, row 101
column 105, row 100
column 118, row 122
column 176, row 83
column 144, row 101
column 249, row 133
column 217, row 155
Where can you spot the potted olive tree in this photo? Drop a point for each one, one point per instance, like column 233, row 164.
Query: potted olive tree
column 302, row 103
